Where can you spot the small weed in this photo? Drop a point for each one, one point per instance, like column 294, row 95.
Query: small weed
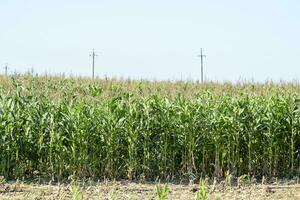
column 202, row 192
column 162, row 191
column 228, row 179
column 244, row 179
column 2, row 180
column 76, row 192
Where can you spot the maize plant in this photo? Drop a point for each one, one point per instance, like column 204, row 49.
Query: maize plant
column 93, row 129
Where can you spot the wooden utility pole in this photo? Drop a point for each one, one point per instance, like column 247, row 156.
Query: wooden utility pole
column 93, row 65
column 201, row 57
column 6, row 69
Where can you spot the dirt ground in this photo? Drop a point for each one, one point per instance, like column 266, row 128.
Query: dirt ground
column 131, row 190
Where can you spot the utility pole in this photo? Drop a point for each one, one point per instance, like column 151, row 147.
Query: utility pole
column 93, row 65
column 201, row 57
column 6, row 69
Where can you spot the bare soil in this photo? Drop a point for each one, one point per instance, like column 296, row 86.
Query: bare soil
column 131, row 190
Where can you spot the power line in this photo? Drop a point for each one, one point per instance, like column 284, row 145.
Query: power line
column 201, row 57
column 93, row 65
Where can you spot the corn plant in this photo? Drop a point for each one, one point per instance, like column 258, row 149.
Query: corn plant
column 113, row 129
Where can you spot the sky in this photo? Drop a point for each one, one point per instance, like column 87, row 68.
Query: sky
column 255, row 40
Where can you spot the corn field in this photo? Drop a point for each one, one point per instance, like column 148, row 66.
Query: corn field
column 67, row 127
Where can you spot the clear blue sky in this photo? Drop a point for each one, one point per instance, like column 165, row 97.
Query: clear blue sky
column 157, row 39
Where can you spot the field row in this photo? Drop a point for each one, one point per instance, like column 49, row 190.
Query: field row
column 133, row 137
